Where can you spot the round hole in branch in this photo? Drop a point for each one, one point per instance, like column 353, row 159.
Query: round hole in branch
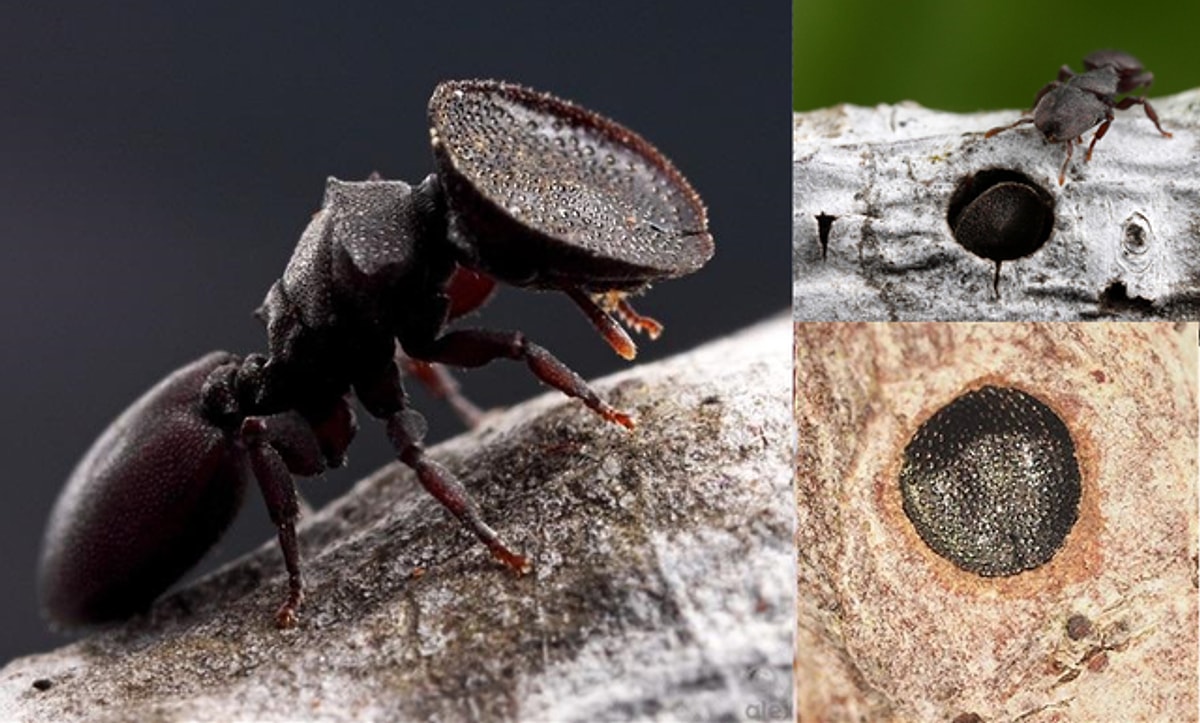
column 991, row 481
column 1000, row 214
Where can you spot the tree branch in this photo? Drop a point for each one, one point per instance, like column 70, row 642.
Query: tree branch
column 1125, row 242
column 661, row 587
column 1104, row 630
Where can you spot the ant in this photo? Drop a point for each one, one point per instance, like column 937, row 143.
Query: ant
column 529, row 190
column 1066, row 108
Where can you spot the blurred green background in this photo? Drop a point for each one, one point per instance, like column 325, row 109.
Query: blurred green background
column 977, row 55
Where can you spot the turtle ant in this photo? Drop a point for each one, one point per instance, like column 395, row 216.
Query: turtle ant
column 1066, row 108
column 529, row 190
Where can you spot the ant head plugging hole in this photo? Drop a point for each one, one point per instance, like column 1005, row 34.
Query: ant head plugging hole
column 991, row 481
column 529, row 190
column 1000, row 215
column 1067, row 108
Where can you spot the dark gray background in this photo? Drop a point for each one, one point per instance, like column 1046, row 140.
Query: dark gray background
column 157, row 165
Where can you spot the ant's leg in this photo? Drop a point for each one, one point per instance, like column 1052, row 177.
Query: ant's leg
column 1062, row 172
column 1099, row 134
column 1130, row 102
column 279, row 492
column 442, row 385
column 280, row 446
column 405, row 430
column 384, row 398
column 1001, row 129
column 476, row 347
column 465, row 291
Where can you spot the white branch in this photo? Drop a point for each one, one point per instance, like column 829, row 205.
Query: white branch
column 886, row 173
column 662, row 586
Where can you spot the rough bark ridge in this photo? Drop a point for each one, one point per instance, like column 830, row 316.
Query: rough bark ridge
column 662, row 586
column 1106, row 630
column 1125, row 241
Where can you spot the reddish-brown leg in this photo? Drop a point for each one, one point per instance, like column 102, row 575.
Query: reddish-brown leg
column 384, row 398
column 1099, row 134
column 1062, row 172
column 442, row 385
column 467, row 290
column 405, row 429
column 476, row 347
column 1001, row 129
column 1150, row 113
column 279, row 492
column 279, row 447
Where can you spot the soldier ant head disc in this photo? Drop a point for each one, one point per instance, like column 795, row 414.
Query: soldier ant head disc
column 544, row 193
column 1000, row 215
column 991, row 482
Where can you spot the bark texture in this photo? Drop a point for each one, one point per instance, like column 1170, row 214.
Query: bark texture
column 1125, row 241
column 890, row 630
column 662, row 586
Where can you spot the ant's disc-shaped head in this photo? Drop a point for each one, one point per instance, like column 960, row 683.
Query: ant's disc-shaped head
column 144, row 504
column 544, row 193
column 1073, row 108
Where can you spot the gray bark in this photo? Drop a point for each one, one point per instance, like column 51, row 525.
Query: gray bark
column 663, row 585
column 1126, row 236
column 1106, row 630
